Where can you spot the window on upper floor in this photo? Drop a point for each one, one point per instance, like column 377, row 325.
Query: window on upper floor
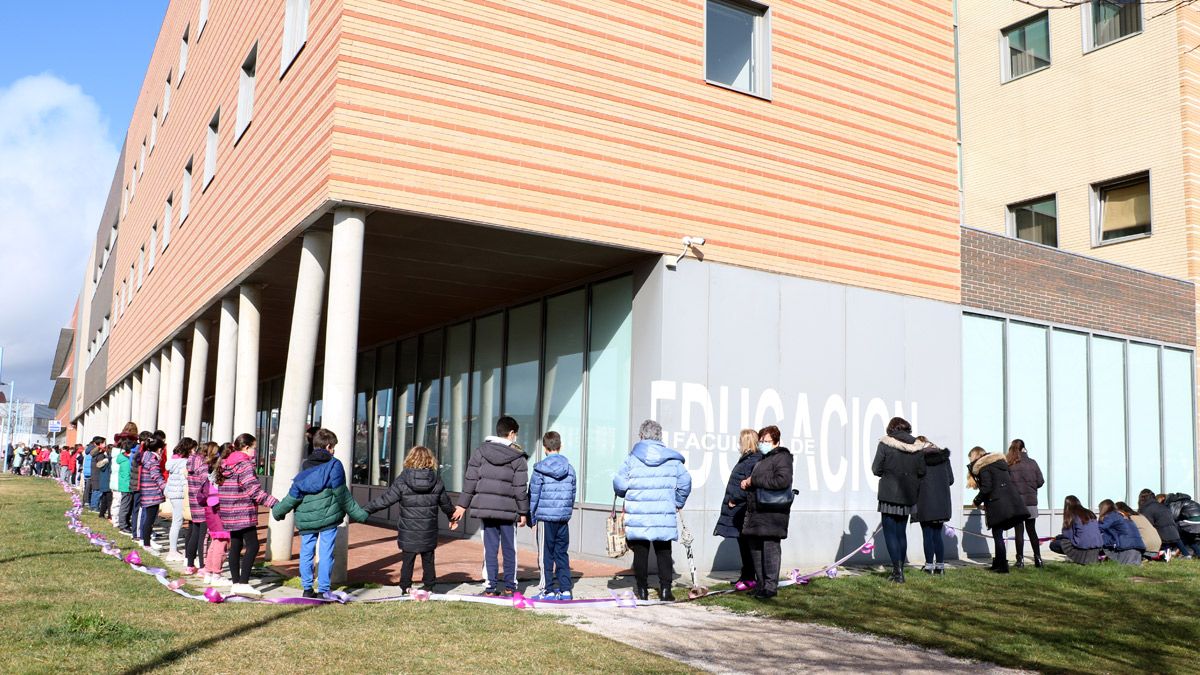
column 203, row 20
column 166, row 221
column 183, row 53
column 1106, row 21
column 210, row 152
column 142, row 160
column 141, row 266
column 166, row 102
column 125, row 200
column 1121, row 209
column 1026, row 46
column 130, row 279
column 295, row 32
column 185, row 192
column 1035, row 220
column 245, row 111
column 737, row 46
column 133, row 183
column 153, row 130
column 153, row 248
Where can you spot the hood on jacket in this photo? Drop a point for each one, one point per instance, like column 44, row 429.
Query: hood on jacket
column 986, row 460
column 904, row 443
column 233, row 459
column 316, row 458
column 654, row 453
column 934, row 456
column 498, row 454
column 420, row 481
column 555, row 466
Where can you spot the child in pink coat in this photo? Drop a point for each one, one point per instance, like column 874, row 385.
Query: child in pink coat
column 218, row 537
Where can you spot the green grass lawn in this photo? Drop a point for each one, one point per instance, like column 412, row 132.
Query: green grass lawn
column 1064, row 618
column 66, row 607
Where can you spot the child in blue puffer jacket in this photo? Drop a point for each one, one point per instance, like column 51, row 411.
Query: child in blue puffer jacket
column 551, row 501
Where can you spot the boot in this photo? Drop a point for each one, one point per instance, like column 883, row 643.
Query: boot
column 897, row 573
column 939, row 569
column 1000, row 565
column 928, row 568
column 1020, row 564
column 641, row 593
column 1037, row 561
column 995, row 563
column 665, row 594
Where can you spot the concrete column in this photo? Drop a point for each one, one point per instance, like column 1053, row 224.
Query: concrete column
column 341, row 347
column 196, row 377
column 144, row 399
column 135, row 400
column 245, row 407
column 125, row 412
column 104, row 420
column 297, row 381
column 164, row 384
column 172, row 420
column 151, row 383
column 223, row 396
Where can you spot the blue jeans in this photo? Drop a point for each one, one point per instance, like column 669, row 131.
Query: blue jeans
column 500, row 534
column 308, row 545
column 935, row 545
column 895, row 535
column 95, row 500
column 556, row 564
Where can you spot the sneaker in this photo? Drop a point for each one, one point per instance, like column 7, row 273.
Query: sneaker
column 564, row 595
column 546, row 594
column 310, row 593
column 507, row 593
column 491, row 593
column 940, row 569
column 157, row 547
column 174, row 557
column 218, row 580
column 245, row 589
column 404, row 591
column 927, row 568
column 190, row 571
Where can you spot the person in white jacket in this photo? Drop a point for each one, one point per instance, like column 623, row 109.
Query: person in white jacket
column 176, row 492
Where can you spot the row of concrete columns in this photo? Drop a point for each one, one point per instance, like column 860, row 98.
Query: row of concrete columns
column 154, row 395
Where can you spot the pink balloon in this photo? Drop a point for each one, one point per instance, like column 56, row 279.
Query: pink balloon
column 213, row 595
column 133, row 558
column 175, row 585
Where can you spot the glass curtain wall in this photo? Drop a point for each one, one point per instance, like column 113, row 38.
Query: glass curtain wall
column 562, row 383
column 1105, row 417
column 456, row 384
column 381, row 440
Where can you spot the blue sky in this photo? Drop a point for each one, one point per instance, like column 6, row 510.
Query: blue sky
column 70, row 72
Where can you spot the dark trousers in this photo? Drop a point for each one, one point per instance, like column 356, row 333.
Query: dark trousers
column 747, row 573
column 106, row 504
column 767, row 554
column 87, row 489
column 1030, row 526
column 998, row 542
column 125, row 515
column 500, row 535
column 641, row 562
column 243, row 549
column 895, row 535
column 149, row 515
column 556, row 564
column 1190, row 543
column 193, row 548
column 935, row 544
column 428, row 570
column 136, row 520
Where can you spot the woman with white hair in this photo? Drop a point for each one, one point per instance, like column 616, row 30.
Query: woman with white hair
column 655, row 486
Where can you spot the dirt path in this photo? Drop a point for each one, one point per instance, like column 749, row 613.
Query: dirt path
column 720, row 641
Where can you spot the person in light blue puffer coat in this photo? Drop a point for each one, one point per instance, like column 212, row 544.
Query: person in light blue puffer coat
column 655, row 486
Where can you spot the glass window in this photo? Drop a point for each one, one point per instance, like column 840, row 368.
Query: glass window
column 1113, row 20
column 486, row 376
column 455, row 391
column 1108, row 418
column 983, row 383
column 406, row 401
column 382, row 445
column 363, row 417
column 429, row 392
column 1123, row 208
column 1035, row 221
column 1028, row 396
column 562, row 384
column 1145, row 430
column 276, row 402
column 210, row 153
column 1179, row 423
column 737, row 46
column 609, row 365
column 521, row 373
column 245, row 111
column 295, row 32
column 1069, row 403
column 1027, row 46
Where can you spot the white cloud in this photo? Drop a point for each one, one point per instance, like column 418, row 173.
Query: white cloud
column 56, row 165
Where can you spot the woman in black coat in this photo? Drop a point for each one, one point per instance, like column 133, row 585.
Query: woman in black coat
column 768, row 525
column 1027, row 477
column 421, row 495
column 1002, row 504
column 899, row 465
column 733, row 508
column 934, row 506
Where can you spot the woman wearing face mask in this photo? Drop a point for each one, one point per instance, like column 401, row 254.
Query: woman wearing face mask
column 900, row 464
column 766, row 524
column 733, row 507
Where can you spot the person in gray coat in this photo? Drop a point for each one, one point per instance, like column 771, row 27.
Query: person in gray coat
column 495, row 491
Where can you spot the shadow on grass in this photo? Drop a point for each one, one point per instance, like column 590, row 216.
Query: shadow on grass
column 23, row 556
column 178, row 653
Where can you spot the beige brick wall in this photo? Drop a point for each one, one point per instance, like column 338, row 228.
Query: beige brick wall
column 1087, row 118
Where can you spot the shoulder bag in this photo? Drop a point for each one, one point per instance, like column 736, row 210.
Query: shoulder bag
column 775, row 501
column 618, row 546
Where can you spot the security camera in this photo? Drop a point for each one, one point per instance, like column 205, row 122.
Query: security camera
column 688, row 243
column 693, row 241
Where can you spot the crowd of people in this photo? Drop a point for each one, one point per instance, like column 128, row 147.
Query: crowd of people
column 214, row 490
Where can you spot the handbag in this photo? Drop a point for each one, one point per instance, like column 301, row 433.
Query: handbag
column 187, row 503
column 775, row 501
column 618, row 546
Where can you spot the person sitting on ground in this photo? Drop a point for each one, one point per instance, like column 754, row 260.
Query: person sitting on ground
column 321, row 500
column 1160, row 517
column 1122, row 542
column 1186, row 513
column 421, row 494
column 1080, row 540
column 1003, row 506
column 1149, row 535
column 551, row 502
